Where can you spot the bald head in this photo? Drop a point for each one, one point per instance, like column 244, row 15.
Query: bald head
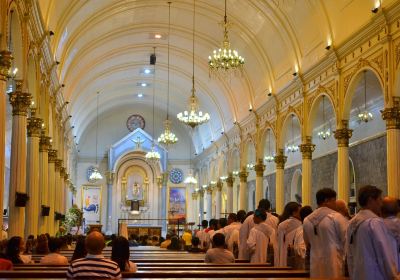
column 390, row 207
column 341, row 207
column 94, row 243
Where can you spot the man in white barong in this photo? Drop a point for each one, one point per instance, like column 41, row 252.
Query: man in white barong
column 248, row 224
column 372, row 252
column 299, row 246
column 203, row 236
column 324, row 231
column 390, row 209
column 231, row 232
column 260, row 235
column 290, row 221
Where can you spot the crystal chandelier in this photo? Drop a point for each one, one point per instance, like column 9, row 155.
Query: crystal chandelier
column 325, row 133
column 167, row 137
column 269, row 157
column 225, row 59
column 193, row 117
column 250, row 166
column 96, row 175
column 153, row 156
column 292, row 148
column 365, row 116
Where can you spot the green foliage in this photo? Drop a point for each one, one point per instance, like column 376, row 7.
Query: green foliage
column 73, row 218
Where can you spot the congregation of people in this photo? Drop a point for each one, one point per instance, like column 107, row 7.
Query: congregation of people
column 328, row 241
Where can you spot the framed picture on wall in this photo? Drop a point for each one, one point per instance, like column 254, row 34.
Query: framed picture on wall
column 91, row 204
column 177, row 205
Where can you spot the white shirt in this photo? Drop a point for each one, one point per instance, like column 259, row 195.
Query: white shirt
column 219, row 255
column 286, row 233
column 54, row 258
column 204, row 238
column 325, row 231
column 231, row 233
column 372, row 252
column 257, row 243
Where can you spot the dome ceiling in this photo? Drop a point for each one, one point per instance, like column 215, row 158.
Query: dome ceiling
column 104, row 45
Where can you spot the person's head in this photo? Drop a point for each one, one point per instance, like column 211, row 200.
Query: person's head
column 94, row 243
column 222, row 222
column 326, row 197
column 390, row 207
column 55, row 244
column 218, row 240
column 175, row 245
column 370, row 197
column 264, row 204
column 305, row 211
column 15, row 247
column 120, row 251
column 241, row 216
column 31, row 237
column 80, row 248
column 42, row 246
column 249, row 213
column 232, row 218
column 260, row 215
column 168, row 236
column 341, row 207
column 213, row 224
column 195, row 242
column 204, row 224
column 292, row 209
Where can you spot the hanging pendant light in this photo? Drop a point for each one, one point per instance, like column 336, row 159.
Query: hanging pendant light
column 365, row 116
column 96, row 175
column 269, row 157
column 153, row 157
column 225, row 59
column 193, row 117
column 292, row 148
column 167, row 137
column 325, row 133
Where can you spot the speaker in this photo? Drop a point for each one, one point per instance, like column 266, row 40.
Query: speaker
column 5, row 212
column 21, row 199
column 135, row 205
column 153, row 59
column 45, row 211
column 57, row 216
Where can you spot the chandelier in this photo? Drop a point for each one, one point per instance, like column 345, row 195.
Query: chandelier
column 325, row 133
column 96, row 175
column 292, row 148
column 225, row 59
column 193, row 117
column 269, row 157
column 365, row 116
column 167, row 137
column 153, row 156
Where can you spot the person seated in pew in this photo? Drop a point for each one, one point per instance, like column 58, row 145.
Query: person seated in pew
column 154, row 241
column 175, row 244
column 167, row 242
column 80, row 249
column 187, row 239
column 94, row 265
column 133, row 240
column 42, row 246
column 15, row 248
column 120, row 254
column 54, row 257
column 5, row 264
column 195, row 246
column 219, row 254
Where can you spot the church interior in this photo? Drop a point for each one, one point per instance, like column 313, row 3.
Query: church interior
column 152, row 116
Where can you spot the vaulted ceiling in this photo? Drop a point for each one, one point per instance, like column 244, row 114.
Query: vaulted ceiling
column 104, row 45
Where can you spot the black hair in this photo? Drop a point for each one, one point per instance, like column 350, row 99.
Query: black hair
column 120, row 252
column 195, row 241
column 325, row 194
column 12, row 250
column 54, row 244
column 241, row 216
column 80, row 248
column 249, row 213
column 213, row 223
column 261, row 213
column 222, row 222
column 305, row 211
column 204, row 223
column 174, row 243
column 288, row 211
column 264, row 204
column 367, row 192
column 233, row 217
column 218, row 240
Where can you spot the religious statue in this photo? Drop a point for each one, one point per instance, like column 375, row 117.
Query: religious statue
column 137, row 192
column 138, row 143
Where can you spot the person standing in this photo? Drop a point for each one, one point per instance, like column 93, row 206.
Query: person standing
column 231, row 232
column 372, row 252
column 325, row 230
column 203, row 236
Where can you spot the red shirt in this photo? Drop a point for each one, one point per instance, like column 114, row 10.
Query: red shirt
column 5, row 264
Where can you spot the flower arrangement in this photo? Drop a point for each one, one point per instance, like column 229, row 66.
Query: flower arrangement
column 73, row 218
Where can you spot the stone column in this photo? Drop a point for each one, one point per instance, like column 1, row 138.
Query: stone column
column 229, row 200
column 57, row 190
column 243, row 190
column 51, row 193
column 44, row 146
column 343, row 135
column 306, row 149
column 5, row 65
column 280, row 160
column 33, row 205
column 67, row 194
column 110, row 179
column 392, row 118
column 20, row 102
column 62, row 190
column 218, row 199
column 259, row 168
column 209, row 202
column 195, row 212
column 201, row 205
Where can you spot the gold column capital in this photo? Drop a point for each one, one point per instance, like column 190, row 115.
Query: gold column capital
column 280, row 159
column 58, row 164
column 392, row 116
column 343, row 136
column 243, row 176
column 66, row 176
column 5, row 64
column 165, row 178
column 62, row 171
column 19, row 100
column 230, row 180
column 209, row 189
column 194, row 195
column 201, row 193
column 44, row 143
column 307, row 148
column 52, row 155
column 259, row 168
column 110, row 177
column 34, row 126
column 219, row 185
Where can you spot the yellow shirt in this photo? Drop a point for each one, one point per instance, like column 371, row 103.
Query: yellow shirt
column 187, row 237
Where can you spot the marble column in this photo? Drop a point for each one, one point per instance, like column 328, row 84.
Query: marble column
column 51, row 193
column 195, row 212
column 243, row 190
column 306, row 149
column 20, row 102
column 62, row 190
column 342, row 136
column 33, row 175
column 229, row 196
column 259, row 168
column 110, row 179
column 280, row 160
column 44, row 146
column 57, row 190
column 201, row 205
column 209, row 202
column 392, row 118
column 218, row 199
column 5, row 65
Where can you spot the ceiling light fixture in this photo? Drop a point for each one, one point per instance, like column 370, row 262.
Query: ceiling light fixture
column 140, row 95
column 225, row 59
column 147, row 71
column 193, row 117
column 365, row 116
column 157, row 36
column 96, row 175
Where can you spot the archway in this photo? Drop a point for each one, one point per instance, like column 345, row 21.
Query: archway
column 295, row 187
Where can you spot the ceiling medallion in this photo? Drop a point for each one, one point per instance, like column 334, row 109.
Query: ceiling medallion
column 135, row 121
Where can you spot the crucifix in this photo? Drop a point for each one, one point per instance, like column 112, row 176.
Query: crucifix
column 138, row 143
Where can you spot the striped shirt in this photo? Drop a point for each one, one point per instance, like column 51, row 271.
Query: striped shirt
column 94, row 266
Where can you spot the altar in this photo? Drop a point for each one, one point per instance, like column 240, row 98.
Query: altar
column 127, row 230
